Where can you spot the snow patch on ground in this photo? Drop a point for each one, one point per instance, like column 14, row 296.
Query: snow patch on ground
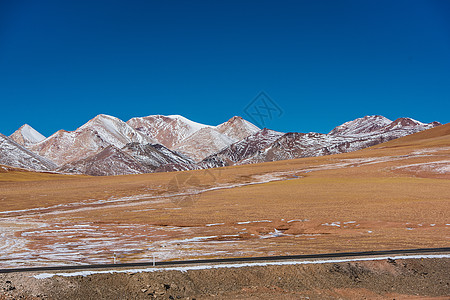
column 237, row 265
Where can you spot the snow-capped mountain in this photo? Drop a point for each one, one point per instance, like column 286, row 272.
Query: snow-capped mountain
column 27, row 135
column 97, row 134
column 166, row 130
column 108, row 146
column 242, row 149
column 15, row 155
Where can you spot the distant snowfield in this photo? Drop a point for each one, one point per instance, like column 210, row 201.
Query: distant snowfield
column 239, row 265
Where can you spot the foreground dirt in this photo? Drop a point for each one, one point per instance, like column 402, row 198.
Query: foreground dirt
column 383, row 279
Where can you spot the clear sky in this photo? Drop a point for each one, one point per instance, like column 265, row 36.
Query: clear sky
column 321, row 62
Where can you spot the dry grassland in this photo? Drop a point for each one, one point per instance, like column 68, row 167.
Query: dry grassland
column 391, row 196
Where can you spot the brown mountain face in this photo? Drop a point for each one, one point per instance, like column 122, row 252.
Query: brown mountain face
column 15, row 155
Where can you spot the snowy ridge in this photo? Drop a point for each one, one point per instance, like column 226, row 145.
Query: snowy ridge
column 166, row 130
column 26, row 135
column 15, row 155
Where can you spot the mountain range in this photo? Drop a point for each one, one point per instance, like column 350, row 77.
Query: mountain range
column 107, row 145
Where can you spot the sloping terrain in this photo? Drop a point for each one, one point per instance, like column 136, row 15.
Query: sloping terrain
column 15, row 155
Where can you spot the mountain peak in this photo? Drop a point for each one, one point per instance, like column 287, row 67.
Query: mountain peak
column 235, row 119
column 237, row 128
column 26, row 135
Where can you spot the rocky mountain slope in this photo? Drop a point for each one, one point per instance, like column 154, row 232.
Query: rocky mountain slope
column 27, row 135
column 15, row 155
column 133, row 158
column 350, row 136
column 94, row 136
column 242, row 149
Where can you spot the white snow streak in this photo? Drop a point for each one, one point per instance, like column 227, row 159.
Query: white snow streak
column 238, row 265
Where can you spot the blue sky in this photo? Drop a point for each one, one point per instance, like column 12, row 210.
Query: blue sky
column 321, row 62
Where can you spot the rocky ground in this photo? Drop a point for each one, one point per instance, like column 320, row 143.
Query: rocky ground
column 427, row 278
